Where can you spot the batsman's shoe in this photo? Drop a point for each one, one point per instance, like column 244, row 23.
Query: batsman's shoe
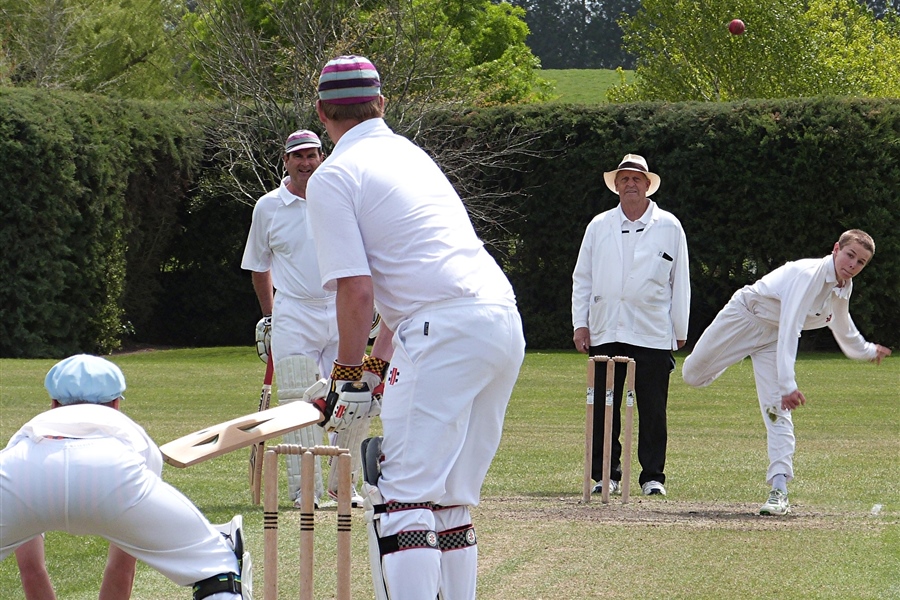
column 614, row 488
column 777, row 504
column 356, row 499
column 653, row 488
column 298, row 504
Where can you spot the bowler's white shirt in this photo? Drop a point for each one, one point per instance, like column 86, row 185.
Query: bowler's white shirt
column 281, row 241
column 802, row 295
column 84, row 421
column 381, row 207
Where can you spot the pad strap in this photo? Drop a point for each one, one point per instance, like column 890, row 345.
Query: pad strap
column 390, row 507
column 408, row 540
column 225, row 582
column 457, row 538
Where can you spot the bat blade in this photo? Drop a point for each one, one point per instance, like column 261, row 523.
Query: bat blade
column 241, row 432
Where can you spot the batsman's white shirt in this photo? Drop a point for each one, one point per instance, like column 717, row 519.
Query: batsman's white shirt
column 304, row 320
column 381, row 207
column 88, row 469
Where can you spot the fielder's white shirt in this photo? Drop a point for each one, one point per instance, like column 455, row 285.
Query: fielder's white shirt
column 375, row 184
column 86, row 421
column 646, row 306
column 281, row 240
column 802, row 295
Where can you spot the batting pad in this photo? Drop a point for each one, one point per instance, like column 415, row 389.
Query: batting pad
column 238, row 433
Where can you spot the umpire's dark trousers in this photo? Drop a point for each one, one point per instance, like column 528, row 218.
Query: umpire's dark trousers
column 651, row 389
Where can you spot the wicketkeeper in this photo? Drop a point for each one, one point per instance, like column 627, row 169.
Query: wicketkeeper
column 85, row 468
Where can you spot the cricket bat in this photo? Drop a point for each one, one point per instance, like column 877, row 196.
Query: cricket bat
column 258, row 450
column 238, row 433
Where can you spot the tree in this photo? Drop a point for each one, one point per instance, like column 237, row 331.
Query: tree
column 113, row 47
column 790, row 48
column 578, row 34
column 264, row 59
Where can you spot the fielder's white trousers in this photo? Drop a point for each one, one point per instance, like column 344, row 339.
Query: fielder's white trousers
column 101, row 487
column 453, row 370
column 733, row 335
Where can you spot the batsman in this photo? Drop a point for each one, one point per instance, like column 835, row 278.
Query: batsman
column 390, row 227
column 299, row 324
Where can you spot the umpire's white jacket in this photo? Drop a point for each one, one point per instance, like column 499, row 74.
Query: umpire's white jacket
column 650, row 307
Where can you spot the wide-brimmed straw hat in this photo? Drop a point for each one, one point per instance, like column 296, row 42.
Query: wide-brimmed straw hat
column 632, row 162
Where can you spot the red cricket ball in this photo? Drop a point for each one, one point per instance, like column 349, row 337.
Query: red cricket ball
column 736, row 27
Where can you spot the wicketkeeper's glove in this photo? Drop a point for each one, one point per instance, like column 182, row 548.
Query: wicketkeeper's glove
column 264, row 338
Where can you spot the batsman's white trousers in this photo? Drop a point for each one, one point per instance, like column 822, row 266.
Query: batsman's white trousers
column 305, row 327
column 733, row 335
column 100, row 487
column 450, row 379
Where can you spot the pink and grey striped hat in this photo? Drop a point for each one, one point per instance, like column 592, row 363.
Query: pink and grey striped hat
column 349, row 80
column 301, row 139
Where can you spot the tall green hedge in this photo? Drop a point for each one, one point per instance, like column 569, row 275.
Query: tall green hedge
column 111, row 229
column 89, row 191
column 754, row 183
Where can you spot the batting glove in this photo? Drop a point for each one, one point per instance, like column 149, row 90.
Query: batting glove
column 343, row 398
column 264, row 338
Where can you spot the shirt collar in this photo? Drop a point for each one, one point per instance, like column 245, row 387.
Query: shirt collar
column 644, row 219
column 286, row 196
column 831, row 277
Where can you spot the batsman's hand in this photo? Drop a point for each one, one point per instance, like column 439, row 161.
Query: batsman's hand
column 264, row 338
column 342, row 398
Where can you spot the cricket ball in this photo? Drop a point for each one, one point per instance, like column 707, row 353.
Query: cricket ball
column 736, row 27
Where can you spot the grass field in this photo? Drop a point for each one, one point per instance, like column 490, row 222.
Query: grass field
column 583, row 86
column 536, row 539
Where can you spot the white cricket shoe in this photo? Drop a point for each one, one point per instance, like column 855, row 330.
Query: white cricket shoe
column 356, row 499
column 777, row 504
column 653, row 488
column 614, row 488
column 316, row 504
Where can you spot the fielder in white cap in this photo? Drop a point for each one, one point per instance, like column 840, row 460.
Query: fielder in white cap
column 390, row 226
column 85, row 468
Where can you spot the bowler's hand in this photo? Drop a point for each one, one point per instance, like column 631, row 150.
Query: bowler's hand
column 582, row 339
column 793, row 400
column 882, row 353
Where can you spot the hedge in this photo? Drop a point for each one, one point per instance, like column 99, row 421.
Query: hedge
column 110, row 231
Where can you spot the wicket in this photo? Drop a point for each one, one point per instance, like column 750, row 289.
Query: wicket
column 307, row 518
column 607, row 426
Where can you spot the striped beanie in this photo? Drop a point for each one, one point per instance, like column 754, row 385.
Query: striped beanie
column 301, row 139
column 349, row 80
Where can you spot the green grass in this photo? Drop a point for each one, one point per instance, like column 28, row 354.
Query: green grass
column 583, row 86
column 537, row 540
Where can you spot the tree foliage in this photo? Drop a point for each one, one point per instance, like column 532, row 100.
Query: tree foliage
column 791, row 48
column 264, row 60
column 113, row 47
column 578, row 34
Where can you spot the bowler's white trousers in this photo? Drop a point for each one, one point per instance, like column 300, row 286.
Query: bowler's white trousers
column 99, row 486
column 450, row 379
column 733, row 335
